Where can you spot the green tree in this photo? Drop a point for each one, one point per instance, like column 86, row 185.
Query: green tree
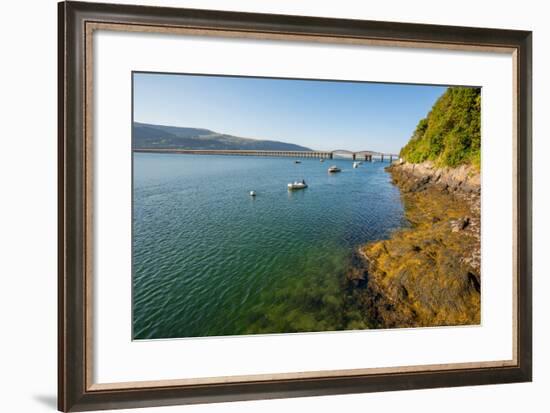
column 451, row 133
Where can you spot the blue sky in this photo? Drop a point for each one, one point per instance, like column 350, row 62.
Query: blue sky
column 323, row 115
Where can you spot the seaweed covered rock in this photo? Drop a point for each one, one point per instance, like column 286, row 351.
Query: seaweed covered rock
column 428, row 274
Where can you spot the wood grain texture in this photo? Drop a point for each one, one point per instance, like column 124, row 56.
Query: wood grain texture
column 77, row 22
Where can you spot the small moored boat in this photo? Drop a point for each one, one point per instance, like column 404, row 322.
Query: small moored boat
column 297, row 185
column 252, row 193
column 297, row 161
column 334, row 168
column 356, row 164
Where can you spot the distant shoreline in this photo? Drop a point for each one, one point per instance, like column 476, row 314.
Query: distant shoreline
column 167, row 137
column 363, row 156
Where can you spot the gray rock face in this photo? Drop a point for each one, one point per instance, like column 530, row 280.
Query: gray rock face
column 460, row 224
column 417, row 177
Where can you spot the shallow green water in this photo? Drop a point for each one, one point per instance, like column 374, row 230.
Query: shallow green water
column 210, row 260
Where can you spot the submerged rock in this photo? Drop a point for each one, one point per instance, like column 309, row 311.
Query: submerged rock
column 429, row 274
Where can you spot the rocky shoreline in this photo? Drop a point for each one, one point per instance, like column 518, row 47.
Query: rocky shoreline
column 429, row 273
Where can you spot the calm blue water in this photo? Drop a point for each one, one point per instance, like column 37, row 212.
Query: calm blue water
column 208, row 259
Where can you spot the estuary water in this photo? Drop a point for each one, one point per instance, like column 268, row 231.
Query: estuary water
column 210, row 260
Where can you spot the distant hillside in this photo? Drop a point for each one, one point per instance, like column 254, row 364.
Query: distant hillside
column 451, row 133
column 148, row 136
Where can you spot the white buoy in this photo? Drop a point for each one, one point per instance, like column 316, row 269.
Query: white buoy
column 252, row 193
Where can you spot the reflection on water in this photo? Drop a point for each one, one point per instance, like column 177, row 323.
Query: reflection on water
column 209, row 259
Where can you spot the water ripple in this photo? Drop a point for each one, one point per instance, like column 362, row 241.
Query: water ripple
column 210, row 260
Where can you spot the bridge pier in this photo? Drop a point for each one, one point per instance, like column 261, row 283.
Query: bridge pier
column 368, row 157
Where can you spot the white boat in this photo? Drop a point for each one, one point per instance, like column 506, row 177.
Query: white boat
column 297, row 161
column 252, row 193
column 334, row 168
column 321, row 160
column 297, row 185
column 356, row 164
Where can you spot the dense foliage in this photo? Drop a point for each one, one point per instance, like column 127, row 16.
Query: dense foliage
column 451, row 133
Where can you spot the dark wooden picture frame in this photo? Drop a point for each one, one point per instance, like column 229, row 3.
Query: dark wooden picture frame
column 76, row 391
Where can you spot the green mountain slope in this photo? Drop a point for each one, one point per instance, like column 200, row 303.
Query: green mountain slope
column 147, row 136
column 451, row 133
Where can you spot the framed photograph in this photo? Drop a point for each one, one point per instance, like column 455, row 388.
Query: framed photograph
column 260, row 206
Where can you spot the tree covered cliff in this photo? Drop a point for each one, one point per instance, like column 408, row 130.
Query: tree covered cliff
column 451, row 133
